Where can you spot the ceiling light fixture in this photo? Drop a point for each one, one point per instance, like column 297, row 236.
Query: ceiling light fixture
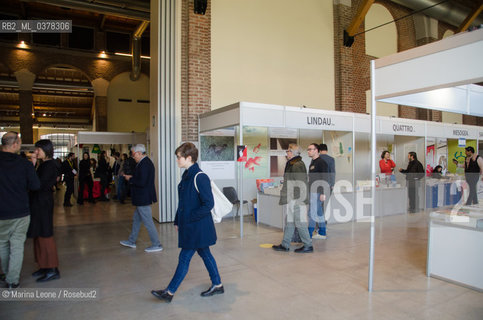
column 129, row 55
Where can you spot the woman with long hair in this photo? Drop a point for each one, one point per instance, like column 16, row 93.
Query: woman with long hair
column 41, row 227
column 193, row 221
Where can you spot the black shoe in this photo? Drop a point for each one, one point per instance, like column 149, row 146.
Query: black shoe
column 12, row 285
column 280, row 248
column 39, row 272
column 67, row 205
column 162, row 295
column 304, row 249
column 3, row 277
column 213, row 290
column 51, row 274
column 80, row 203
column 92, row 201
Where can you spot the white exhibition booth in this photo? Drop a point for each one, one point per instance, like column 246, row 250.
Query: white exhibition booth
column 267, row 130
column 439, row 76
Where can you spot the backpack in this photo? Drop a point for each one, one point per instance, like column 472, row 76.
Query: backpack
column 222, row 206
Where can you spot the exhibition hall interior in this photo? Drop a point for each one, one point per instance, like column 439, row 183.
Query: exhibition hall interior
column 340, row 144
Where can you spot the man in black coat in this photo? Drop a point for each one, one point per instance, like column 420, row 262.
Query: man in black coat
column 102, row 172
column 143, row 194
column 69, row 171
column 16, row 179
column 128, row 170
column 414, row 173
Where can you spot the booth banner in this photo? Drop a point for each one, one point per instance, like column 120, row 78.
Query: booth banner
column 461, row 133
column 217, row 148
column 401, row 128
column 305, row 120
column 219, row 170
column 256, row 141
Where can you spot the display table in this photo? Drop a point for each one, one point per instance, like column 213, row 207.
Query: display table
column 96, row 190
column 343, row 207
column 455, row 244
column 443, row 192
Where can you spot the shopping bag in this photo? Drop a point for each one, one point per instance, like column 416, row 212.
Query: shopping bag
column 222, row 206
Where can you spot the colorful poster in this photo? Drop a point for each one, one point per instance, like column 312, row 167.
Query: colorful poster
column 430, row 159
column 256, row 140
column 217, row 148
column 458, row 153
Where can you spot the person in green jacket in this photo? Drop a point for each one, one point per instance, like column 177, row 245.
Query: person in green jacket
column 294, row 195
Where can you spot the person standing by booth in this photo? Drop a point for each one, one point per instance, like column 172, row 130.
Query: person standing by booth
column 414, row 172
column 386, row 164
column 318, row 176
column 85, row 178
column 143, row 195
column 473, row 170
column 102, row 172
column 69, row 171
column 295, row 200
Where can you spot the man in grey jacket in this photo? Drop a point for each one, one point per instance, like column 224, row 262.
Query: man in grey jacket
column 17, row 177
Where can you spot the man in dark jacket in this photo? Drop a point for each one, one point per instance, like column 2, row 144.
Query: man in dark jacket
column 69, row 171
column 414, row 173
column 294, row 196
column 102, row 172
column 128, row 169
column 17, row 177
column 143, row 194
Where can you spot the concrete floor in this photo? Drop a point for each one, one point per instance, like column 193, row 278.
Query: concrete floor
column 259, row 283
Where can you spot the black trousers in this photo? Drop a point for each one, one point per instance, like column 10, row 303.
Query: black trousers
column 104, row 185
column 413, row 195
column 472, row 180
column 82, row 182
column 69, row 183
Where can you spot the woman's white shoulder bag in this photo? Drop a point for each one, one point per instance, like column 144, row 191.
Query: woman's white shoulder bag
column 222, row 206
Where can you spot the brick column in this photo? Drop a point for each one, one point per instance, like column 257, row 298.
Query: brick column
column 195, row 68
column 26, row 80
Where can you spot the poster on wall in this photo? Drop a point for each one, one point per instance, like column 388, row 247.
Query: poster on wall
column 442, row 154
column 256, row 140
column 430, row 159
column 217, row 148
column 455, row 152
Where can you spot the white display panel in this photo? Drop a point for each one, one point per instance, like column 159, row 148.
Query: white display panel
column 219, row 170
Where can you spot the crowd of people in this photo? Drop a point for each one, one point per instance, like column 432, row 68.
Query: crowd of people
column 27, row 194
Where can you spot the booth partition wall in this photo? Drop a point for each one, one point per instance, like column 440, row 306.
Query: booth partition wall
column 455, row 233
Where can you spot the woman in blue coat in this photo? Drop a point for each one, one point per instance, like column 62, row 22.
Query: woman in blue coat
column 196, row 230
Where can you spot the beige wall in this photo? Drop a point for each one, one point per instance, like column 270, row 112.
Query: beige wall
column 272, row 51
column 127, row 116
column 450, row 117
column 382, row 41
column 383, row 108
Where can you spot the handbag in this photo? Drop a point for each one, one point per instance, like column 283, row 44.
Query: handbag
column 222, row 206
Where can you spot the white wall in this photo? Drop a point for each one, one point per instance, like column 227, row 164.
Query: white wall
column 128, row 116
column 272, row 51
